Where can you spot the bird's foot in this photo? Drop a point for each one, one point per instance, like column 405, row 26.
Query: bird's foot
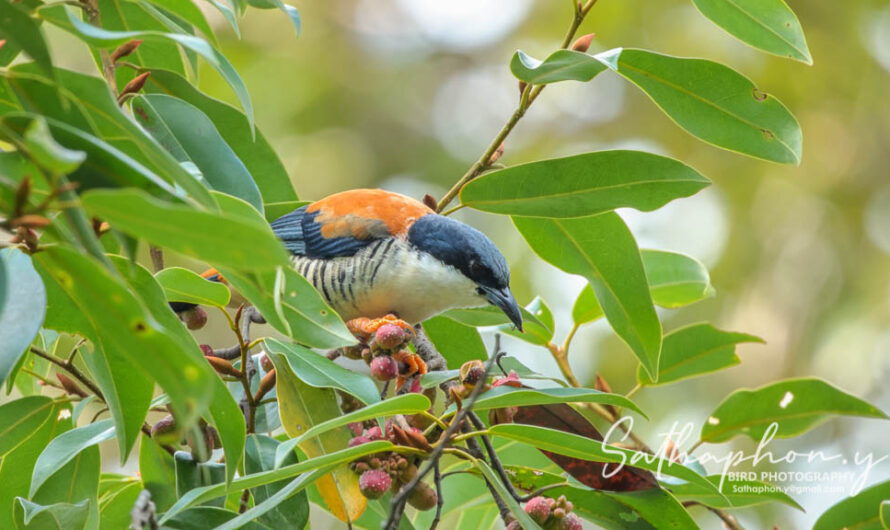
column 413, row 365
column 364, row 328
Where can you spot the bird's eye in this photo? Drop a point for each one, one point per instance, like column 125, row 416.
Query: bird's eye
column 475, row 267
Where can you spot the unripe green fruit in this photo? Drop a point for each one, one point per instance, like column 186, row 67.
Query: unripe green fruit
column 423, row 497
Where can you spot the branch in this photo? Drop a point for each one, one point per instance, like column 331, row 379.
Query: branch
column 528, row 96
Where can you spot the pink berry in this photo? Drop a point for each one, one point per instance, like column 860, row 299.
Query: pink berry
column 358, row 440
column 514, row 525
column 374, row 433
column 570, row 522
column 374, row 483
column 384, row 368
column 389, row 336
column 206, row 349
column 356, row 427
column 538, row 508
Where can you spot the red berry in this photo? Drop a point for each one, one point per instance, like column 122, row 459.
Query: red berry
column 358, row 440
column 206, row 349
column 389, row 337
column 384, row 368
column 538, row 508
column 374, row 483
column 570, row 522
column 374, row 433
column 194, row 318
column 356, row 427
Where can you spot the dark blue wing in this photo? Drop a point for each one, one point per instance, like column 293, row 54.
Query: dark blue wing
column 302, row 236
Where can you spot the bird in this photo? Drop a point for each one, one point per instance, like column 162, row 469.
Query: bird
column 373, row 253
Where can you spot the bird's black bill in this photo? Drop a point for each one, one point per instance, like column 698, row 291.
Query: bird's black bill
column 503, row 299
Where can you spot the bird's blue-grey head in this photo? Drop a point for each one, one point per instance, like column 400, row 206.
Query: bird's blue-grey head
column 473, row 254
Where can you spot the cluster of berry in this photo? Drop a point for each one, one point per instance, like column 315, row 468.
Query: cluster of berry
column 551, row 514
column 384, row 345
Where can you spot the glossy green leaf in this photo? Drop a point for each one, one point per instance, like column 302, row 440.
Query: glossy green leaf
column 183, row 285
column 64, row 18
column 652, row 508
column 254, row 151
column 123, row 325
column 200, row 495
column 320, row 372
column 795, row 405
column 24, row 32
column 769, row 25
column 59, row 516
column 675, row 279
column 714, row 103
column 157, row 469
column 457, row 342
column 225, row 414
column 508, row 396
column 67, row 446
column 298, row 311
column 188, row 11
column 860, row 512
column 534, row 334
column 303, row 405
column 22, row 307
column 191, row 474
column 586, row 308
column 602, row 249
column 583, row 185
column 203, row 517
column 20, row 418
column 261, row 509
column 116, row 503
column 211, row 236
column 404, row 404
column 43, row 148
column 561, row 65
column 229, row 14
column 290, row 11
column 885, row 515
column 695, row 350
column 534, row 331
column 189, row 135
column 736, row 493
column 259, row 456
column 594, row 450
column 525, row 520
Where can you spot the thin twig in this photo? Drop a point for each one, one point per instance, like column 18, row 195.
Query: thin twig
column 493, row 457
column 437, row 478
column 71, row 369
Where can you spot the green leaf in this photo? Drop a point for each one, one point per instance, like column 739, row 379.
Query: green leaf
column 404, row 404
column 210, row 236
column 457, row 342
column 736, row 493
column 67, row 446
column 48, row 153
column 295, row 486
column 602, row 249
column 507, row 396
column 534, row 331
column 587, row 308
column 885, row 515
column 24, row 32
column 525, row 520
column 183, row 285
column 59, row 516
column 189, row 135
column 188, row 11
column 297, row 310
column 20, row 418
column 229, row 14
column 561, row 65
column 795, row 405
column 203, row 517
column 695, row 350
column 254, row 480
column 191, row 474
column 534, row 334
column 259, row 456
column 652, row 508
column 320, row 372
column 861, row 511
column 290, row 11
column 123, row 325
column 675, row 279
column 254, row 151
column 594, row 450
column 715, row 103
column 63, row 17
column 583, row 185
column 769, row 25
column 22, row 307
column 157, row 469
column 303, row 405
column 116, row 504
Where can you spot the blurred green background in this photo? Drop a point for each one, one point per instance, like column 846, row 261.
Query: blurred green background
column 405, row 95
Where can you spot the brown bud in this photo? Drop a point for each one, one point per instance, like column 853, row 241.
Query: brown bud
column 498, row 153
column 134, row 86
column 70, row 386
column 27, row 236
column 22, row 193
column 266, row 363
column 266, row 385
column 164, row 431
column 601, row 384
column 430, row 202
column 418, row 440
column 582, row 43
column 125, row 49
column 223, row 366
column 454, row 394
column 31, row 221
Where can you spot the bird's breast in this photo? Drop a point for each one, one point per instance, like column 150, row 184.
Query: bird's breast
column 389, row 276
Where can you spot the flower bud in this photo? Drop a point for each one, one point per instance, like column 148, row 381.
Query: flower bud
column 266, row 385
column 266, row 363
column 430, row 202
column 223, row 366
column 135, row 85
column 582, row 43
column 70, row 386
